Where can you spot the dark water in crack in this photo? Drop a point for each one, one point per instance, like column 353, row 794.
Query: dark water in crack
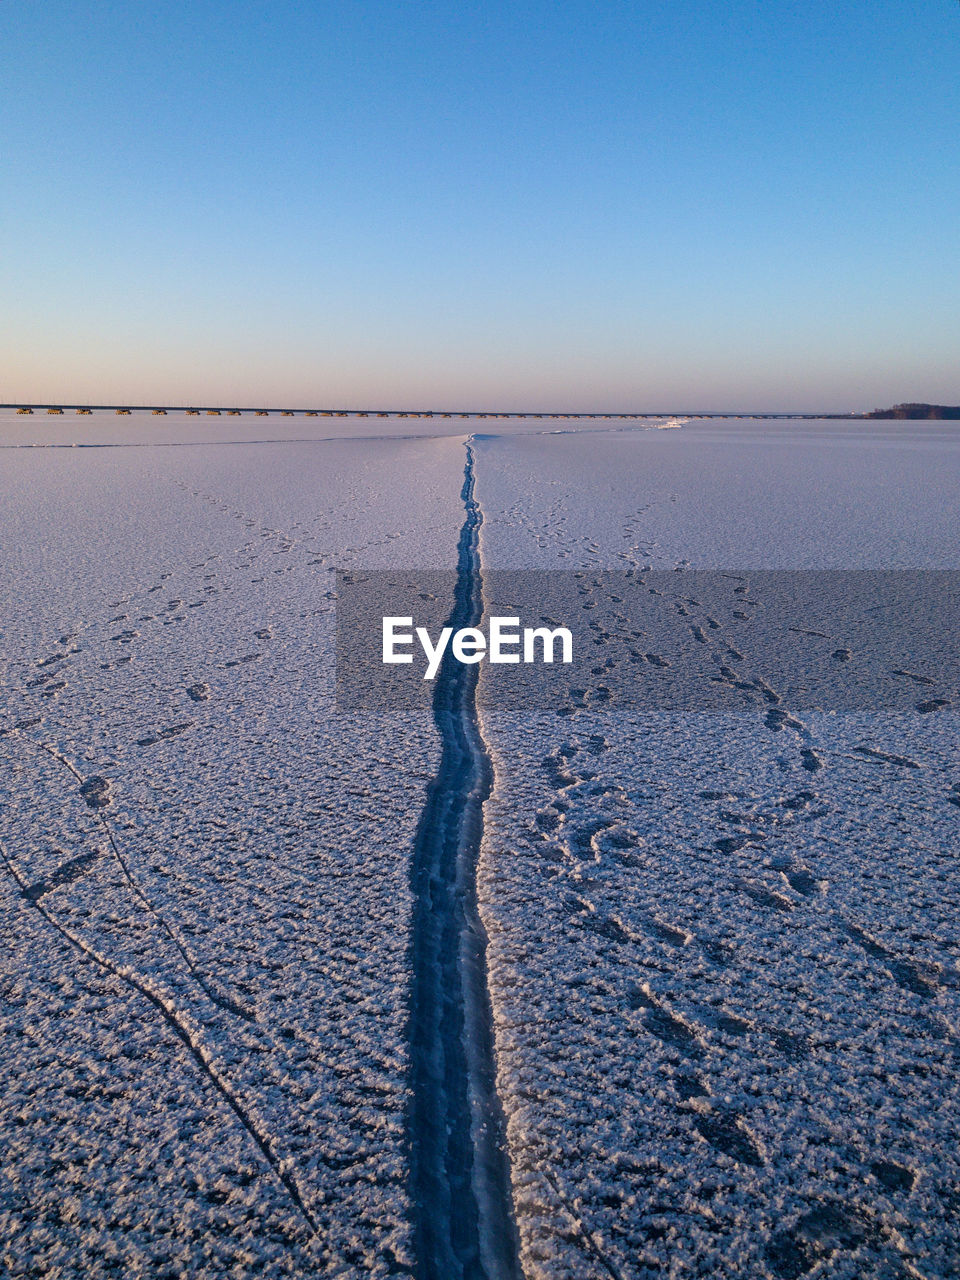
column 460, row 1181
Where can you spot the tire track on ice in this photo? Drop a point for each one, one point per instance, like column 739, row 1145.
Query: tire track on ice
column 460, row 1179
column 180, row 1027
column 95, row 791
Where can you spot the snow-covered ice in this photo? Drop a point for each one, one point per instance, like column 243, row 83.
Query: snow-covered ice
column 205, row 972
column 722, row 952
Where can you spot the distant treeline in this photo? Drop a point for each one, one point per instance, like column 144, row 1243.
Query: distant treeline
column 917, row 411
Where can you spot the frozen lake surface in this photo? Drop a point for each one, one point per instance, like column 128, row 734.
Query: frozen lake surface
column 214, row 994
column 723, row 948
column 722, row 961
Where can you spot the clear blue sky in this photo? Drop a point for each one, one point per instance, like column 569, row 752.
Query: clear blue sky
column 670, row 204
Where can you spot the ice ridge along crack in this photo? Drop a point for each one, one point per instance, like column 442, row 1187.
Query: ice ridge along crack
column 460, row 1180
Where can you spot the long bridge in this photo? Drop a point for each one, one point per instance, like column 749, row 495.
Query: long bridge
column 262, row 411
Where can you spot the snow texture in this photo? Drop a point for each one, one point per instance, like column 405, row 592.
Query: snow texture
column 723, row 954
column 204, row 896
column 721, row 949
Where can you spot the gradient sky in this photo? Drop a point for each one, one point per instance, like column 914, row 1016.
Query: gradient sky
column 653, row 205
